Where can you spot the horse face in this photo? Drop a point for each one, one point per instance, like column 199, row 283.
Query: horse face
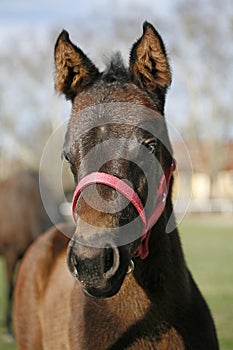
column 108, row 231
column 112, row 132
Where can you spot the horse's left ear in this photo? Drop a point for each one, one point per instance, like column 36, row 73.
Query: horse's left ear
column 74, row 70
column 148, row 64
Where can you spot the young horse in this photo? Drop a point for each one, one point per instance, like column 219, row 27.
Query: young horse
column 119, row 151
column 22, row 219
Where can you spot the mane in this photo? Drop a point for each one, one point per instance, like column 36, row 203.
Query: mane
column 115, row 69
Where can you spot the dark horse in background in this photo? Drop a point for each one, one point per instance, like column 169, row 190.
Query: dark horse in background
column 22, row 219
column 157, row 305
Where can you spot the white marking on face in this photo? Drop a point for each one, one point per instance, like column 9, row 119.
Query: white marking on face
column 102, row 128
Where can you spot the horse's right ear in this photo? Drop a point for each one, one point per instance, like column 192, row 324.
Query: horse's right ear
column 74, row 70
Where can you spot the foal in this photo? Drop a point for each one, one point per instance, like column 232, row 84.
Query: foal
column 119, row 151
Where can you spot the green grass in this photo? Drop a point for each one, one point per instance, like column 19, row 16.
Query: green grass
column 6, row 343
column 208, row 246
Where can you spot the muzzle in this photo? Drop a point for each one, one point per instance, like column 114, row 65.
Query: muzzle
column 123, row 188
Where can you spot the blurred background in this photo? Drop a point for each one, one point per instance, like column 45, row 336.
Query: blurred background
column 198, row 37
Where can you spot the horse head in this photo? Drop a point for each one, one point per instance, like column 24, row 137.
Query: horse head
column 120, row 155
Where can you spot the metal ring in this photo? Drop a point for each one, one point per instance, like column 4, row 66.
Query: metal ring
column 130, row 268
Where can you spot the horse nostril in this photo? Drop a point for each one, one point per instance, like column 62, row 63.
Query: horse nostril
column 72, row 262
column 108, row 258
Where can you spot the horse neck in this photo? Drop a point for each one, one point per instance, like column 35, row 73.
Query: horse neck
column 164, row 269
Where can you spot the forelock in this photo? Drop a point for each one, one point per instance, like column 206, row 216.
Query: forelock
column 115, row 70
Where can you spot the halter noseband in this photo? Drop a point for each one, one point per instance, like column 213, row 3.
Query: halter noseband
column 123, row 188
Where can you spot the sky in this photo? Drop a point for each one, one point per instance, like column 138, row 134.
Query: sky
column 60, row 10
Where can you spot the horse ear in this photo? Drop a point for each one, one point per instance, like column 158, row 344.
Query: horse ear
column 148, row 62
column 74, row 70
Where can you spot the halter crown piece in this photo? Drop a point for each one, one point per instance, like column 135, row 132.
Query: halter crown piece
column 123, row 188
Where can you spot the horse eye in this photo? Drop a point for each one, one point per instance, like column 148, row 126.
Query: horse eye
column 151, row 145
column 67, row 157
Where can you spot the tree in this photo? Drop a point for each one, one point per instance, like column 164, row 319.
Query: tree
column 207, row 80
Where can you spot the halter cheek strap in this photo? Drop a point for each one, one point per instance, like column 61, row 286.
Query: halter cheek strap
column 123, row 188
column 162, row 193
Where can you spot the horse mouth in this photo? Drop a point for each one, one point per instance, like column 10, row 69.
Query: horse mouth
column 111, row 288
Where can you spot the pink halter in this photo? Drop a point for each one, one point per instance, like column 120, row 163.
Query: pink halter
column 122, row 187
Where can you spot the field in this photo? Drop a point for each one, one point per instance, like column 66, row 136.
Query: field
column 208, row 245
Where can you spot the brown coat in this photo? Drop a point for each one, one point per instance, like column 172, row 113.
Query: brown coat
column 53, row 313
